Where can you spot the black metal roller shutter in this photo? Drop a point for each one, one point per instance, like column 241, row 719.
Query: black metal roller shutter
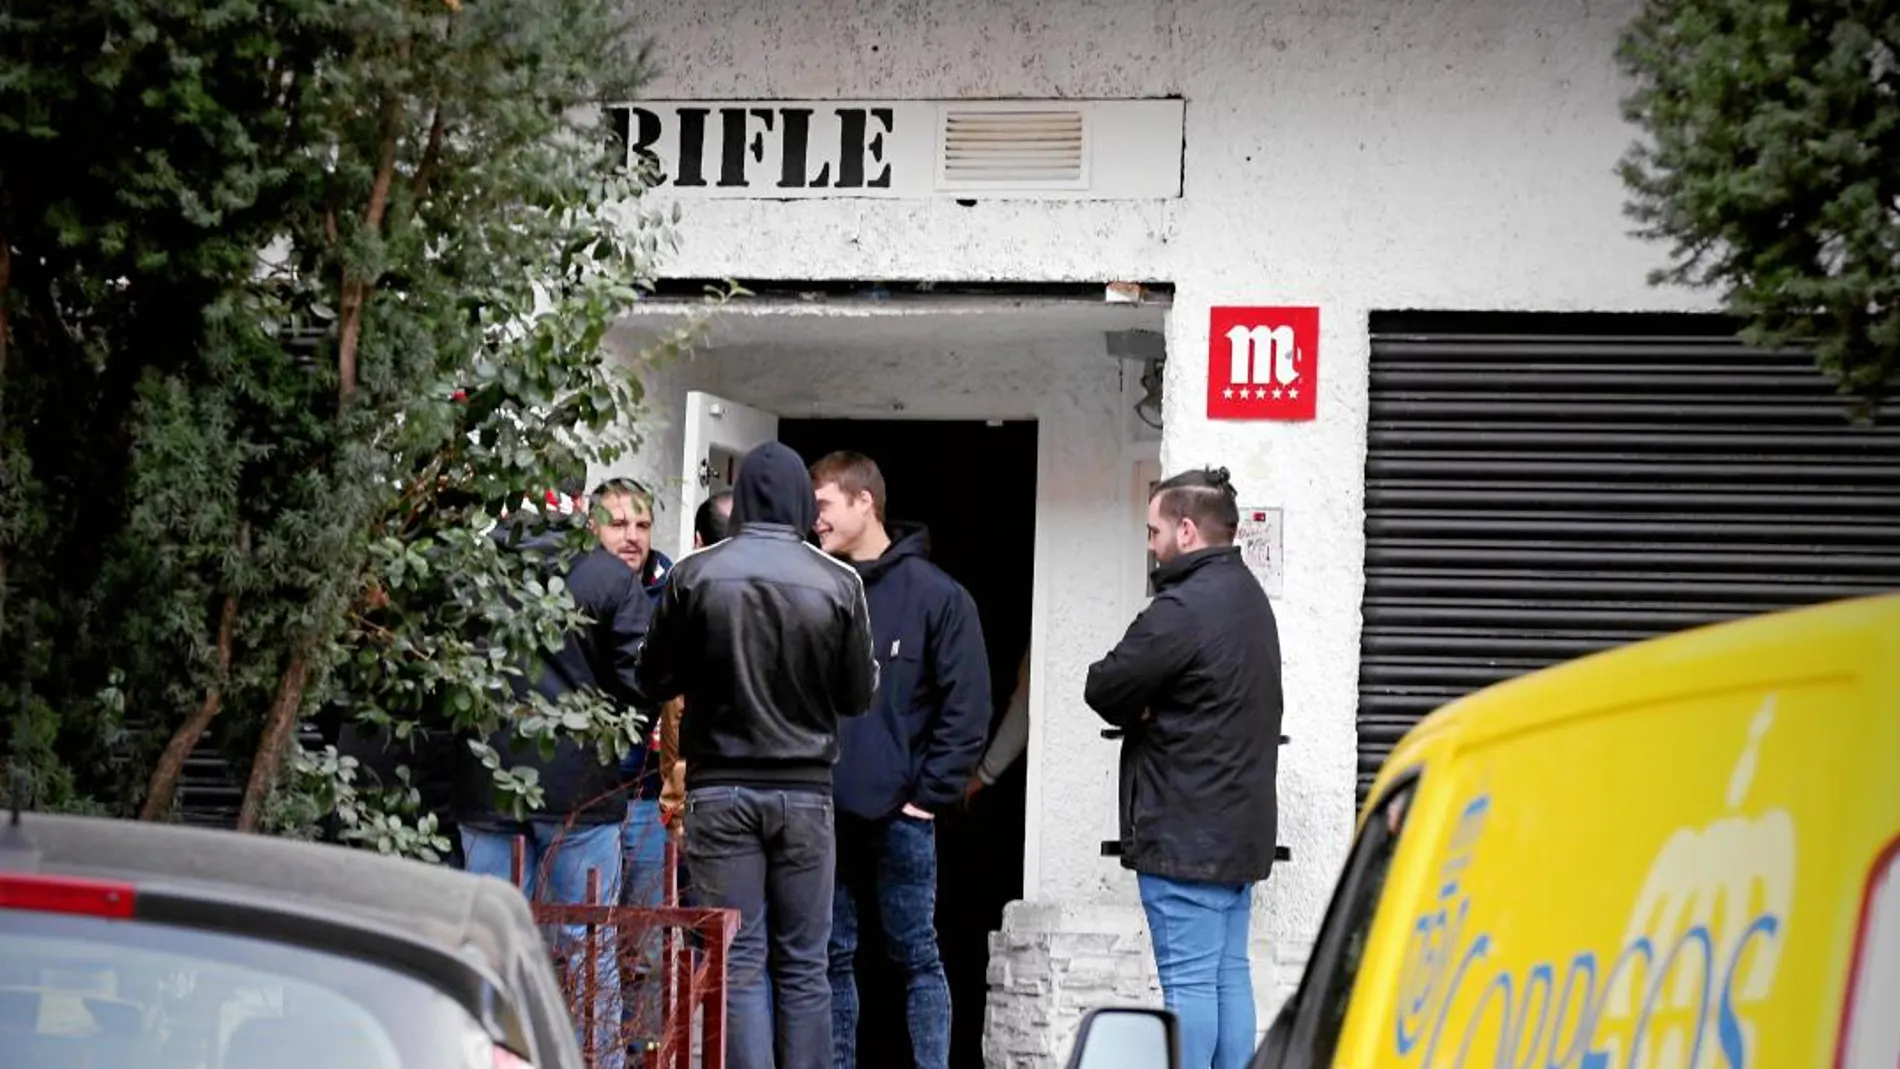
column 1542, row 487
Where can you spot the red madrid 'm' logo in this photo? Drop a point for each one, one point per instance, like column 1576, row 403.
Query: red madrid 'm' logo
column 1263, row 363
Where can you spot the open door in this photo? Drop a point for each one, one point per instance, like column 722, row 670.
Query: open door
column 718, row 433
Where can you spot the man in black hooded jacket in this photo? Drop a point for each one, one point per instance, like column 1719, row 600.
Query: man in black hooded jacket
column 1195, row 684
column 769, row 640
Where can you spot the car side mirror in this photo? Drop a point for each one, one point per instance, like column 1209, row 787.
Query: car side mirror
column 1273, row 1047
column 1126, row 1038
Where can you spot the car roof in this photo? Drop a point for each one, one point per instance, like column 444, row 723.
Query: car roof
column 1843, row 637
column 454, row 910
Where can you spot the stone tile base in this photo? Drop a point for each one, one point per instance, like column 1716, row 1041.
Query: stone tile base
column 1053, row 962
column 1049, row 965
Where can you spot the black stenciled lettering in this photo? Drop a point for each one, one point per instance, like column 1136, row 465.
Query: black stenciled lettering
column 620, row 137
column 757, row 144
column 641, row 129
column 732, row 144
column 887, row 118
column 793, row 144
column 851, row 131
column 692, row 146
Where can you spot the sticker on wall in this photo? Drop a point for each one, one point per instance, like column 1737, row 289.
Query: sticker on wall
column 1263, row 363
column 1259, row 539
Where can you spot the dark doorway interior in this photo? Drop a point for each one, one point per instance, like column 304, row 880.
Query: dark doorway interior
column 974, row 484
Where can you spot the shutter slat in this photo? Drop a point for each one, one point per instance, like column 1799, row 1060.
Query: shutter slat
column 1531, row 499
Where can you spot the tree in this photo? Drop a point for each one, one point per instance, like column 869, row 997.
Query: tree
column 1772, row 167
column 298, row 296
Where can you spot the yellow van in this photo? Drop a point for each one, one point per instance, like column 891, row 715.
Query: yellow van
column 1680, row 854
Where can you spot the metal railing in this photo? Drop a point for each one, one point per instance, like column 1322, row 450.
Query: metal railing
column 691, row 976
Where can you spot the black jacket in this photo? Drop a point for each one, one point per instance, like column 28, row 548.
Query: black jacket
column 767, row 637
column 601, row 655
column 931, row 717
column 1196, row 685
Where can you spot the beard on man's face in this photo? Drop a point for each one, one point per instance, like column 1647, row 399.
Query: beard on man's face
column 1169, row 549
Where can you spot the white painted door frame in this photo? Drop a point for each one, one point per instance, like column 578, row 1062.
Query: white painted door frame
column 717, row 433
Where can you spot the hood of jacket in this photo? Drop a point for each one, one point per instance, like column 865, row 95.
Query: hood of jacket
column 774, row 487
column 908, row 540
column 653, row 576
column 523, row 532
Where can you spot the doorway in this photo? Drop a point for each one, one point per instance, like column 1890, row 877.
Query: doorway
column 973, row 484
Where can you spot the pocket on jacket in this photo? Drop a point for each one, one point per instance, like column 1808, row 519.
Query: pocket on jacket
column 896, row 685
column 897, row 681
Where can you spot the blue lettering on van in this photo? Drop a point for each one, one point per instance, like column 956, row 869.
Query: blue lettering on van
column 1541, row 976
column 1728, row 1026
column 1532, row 1015
column 1436, row 934
column 1700, row 936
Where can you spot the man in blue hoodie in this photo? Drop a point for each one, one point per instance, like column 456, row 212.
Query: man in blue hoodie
column 769, row 641
column 908, row 760
column 623, row 520
column 577, row 829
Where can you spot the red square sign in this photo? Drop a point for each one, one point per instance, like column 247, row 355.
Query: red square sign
column 1263, row 363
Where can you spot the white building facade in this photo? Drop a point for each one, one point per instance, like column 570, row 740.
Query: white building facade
column 1353, row 157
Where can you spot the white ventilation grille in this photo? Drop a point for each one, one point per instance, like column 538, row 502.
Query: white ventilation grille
column 1017, row 146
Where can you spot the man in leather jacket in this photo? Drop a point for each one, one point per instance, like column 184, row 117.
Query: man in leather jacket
column 712, row 524
column 769, row 640
column 1195, row 684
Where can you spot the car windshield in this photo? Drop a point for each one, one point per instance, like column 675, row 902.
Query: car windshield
column 97, row 993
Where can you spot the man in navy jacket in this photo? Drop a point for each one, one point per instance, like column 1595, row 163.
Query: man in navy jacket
column 905, row 762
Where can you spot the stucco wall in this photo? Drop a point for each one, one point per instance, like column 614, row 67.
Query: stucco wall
column 658, row 463
column 1380, row 154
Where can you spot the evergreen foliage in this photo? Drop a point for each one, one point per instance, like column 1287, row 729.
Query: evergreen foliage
column 298, row 295
column 1771, row 166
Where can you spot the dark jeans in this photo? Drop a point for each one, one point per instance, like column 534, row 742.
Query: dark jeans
column 770, row 854
column 890, row 865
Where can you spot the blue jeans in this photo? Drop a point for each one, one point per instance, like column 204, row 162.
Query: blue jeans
column 568, row 856
column 643, row 840
column 1199, row 932
column 890, row 865
column 770, row 855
